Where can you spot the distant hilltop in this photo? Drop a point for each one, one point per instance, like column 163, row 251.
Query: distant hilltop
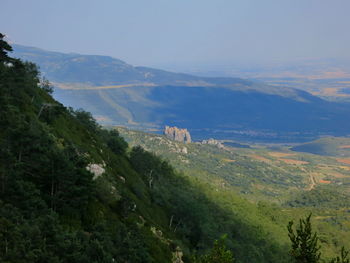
column 226, row 108
column 176, row 134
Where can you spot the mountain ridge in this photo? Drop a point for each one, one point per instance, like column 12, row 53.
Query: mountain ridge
column 45, row 59
column 225, row 108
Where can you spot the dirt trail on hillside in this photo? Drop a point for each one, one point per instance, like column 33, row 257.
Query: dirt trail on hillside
column 313, row 183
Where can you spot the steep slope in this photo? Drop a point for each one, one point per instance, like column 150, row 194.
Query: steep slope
column 145, row 98
column 70, row 191
column 93, row 70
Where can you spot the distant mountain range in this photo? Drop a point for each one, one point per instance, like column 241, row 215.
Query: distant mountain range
column 146, row 98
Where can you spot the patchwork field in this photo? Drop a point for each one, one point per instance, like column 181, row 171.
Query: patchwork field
column 346, row 161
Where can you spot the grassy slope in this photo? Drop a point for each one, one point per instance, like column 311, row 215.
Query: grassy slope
column 256, row 172
column 282, row 177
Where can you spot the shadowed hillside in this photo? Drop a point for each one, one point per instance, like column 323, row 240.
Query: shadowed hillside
column 145, row 98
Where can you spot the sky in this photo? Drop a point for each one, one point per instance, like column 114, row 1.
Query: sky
column 183, row 32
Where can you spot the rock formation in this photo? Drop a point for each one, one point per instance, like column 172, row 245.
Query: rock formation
column 212, row 141
column 176, row 134
column 96, row 169
column 177, row 255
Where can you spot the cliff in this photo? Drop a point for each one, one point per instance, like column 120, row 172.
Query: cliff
column 176, row 134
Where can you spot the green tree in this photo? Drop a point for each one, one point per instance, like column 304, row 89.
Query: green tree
column 87, row 120
column 116, row 143
column 46, row 85
column 218, row 254
column 344, row 257
column 4, row 48
column 305, row 248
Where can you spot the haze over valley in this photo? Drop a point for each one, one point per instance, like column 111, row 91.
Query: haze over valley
column 187, row 131
column 117, row 93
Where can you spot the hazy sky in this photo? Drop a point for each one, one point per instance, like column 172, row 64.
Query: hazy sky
column 155, row 32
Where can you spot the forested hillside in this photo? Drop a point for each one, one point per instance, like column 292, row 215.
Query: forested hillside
column 73, row 192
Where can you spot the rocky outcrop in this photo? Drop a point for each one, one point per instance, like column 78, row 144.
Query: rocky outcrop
column 96, row 169
column 176, row 134
column 184, row 150
column 212, row 141
column 177, row 256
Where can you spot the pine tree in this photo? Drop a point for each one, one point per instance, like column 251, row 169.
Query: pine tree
column 4, row 48
column 218, row 254
column 344, row 257
column 305, row 248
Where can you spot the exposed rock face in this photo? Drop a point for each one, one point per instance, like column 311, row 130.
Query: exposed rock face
column 212, row 141
column 177, row 256
column 122, row 179
column 176, row 134
column 96, row 169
